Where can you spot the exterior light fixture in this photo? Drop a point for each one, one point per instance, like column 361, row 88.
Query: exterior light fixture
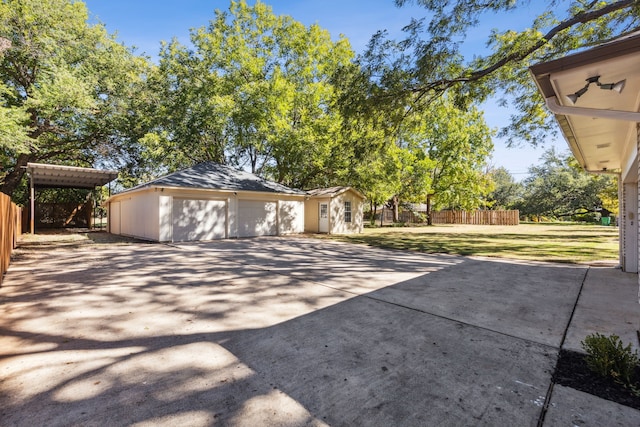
column 617, row 87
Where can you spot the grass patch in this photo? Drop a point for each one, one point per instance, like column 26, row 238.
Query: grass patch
column 568, row 243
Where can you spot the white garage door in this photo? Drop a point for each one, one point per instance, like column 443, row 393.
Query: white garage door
column 256, row 218
column 197, row 219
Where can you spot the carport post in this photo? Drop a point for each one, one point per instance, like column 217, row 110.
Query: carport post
column 33, row 204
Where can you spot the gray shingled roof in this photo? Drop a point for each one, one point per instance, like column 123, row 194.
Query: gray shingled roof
column 215, row 176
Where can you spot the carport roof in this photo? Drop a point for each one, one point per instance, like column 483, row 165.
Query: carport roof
column 60, row 176
column 214, row 176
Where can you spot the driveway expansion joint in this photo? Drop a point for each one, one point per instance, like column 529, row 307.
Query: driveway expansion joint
column 547, row 400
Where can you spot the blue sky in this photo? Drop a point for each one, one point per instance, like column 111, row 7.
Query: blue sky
column 144, row 23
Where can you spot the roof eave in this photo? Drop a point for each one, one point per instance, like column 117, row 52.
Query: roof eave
column 614, row 49
column 156, row 187
column 542, row 74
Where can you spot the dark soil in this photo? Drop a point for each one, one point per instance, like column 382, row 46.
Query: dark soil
column 572, row 371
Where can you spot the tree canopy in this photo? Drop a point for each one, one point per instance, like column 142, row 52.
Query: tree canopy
column 269, row 94
column 506, row 191
column 254, row 91
column 264, row 92
column 67, row 89
column 559, row 188
column 429, row 60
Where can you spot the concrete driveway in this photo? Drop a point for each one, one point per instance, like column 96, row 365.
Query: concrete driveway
column 285, row 332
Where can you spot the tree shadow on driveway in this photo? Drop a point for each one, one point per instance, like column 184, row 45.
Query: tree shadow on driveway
column 275, row 332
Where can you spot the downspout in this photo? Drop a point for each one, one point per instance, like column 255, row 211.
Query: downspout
column 555, row 107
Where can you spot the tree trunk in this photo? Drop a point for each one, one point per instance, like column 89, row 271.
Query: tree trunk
column 396, row 206
column 374, row 211
column 429, row 218
column 12, row 179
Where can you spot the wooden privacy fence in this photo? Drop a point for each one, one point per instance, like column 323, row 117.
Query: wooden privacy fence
column 10, row 229
column 456, row 217
column 477, row 217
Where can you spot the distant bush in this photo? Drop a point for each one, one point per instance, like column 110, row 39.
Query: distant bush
column 590, row 217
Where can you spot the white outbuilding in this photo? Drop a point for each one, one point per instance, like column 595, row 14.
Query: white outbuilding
column 334, row 210
column 205, row 202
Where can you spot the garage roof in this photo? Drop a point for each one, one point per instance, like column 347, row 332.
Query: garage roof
column 59, row 176
column 215, row 176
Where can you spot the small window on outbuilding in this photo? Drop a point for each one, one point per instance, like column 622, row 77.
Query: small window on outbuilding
column 347, row 211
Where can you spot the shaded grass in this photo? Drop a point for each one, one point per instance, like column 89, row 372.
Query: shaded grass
column 567, row 243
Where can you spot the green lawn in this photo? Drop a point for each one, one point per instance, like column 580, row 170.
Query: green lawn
column 569, row 243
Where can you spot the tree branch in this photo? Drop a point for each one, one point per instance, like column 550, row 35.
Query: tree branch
column 584, row 17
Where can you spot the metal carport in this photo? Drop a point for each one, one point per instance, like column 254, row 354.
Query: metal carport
column 60, row 176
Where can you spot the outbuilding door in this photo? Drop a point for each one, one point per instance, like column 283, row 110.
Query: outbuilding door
column 257, row 218
column 323, row 217
column 199, row 219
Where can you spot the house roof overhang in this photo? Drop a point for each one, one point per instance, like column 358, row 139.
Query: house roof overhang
column 601, row 127
column 204, row 192
column 59, row 176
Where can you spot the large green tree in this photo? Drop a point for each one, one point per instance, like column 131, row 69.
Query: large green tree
column 437, row 156
column 458, row 143
column 429, row 61
column 67, row 90
column 559, row 188
column 506, row 191
column 254, row 90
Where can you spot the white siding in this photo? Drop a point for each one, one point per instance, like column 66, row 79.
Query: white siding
column 139, row 216
column 114, row 217
column 337, row 222
column 192, row 214
column 165, row 218
column 311, row 211
column 291, row 217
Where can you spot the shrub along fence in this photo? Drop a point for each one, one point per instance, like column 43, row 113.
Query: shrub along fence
column 10, row 229
column 511, row 217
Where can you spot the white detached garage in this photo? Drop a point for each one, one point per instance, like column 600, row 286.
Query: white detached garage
column 206, row 202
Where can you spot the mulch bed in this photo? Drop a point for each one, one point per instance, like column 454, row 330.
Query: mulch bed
column 572, row 371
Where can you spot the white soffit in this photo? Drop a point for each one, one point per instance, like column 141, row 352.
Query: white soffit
column 601, row 142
